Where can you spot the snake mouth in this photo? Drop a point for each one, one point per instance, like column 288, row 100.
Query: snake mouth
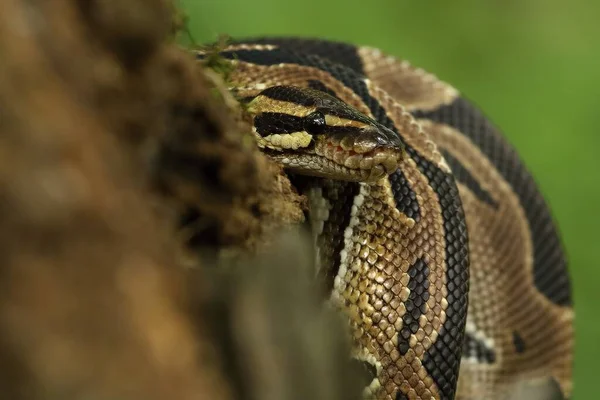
column 365, row 157
column 378, row 160
column 371, row 154
column 319, row 166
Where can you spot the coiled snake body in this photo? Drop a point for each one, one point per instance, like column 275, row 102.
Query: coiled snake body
column 432, row 236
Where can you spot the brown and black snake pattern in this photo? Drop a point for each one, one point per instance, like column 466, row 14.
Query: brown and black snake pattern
column 450, row 270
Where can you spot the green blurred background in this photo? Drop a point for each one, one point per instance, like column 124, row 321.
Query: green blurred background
column 532, row 65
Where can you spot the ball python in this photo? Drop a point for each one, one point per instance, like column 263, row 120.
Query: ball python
column 431, row 235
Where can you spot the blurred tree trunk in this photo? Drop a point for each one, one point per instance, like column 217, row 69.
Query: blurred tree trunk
column 121, row 163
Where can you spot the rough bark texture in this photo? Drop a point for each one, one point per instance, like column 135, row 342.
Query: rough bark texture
column 114, row 151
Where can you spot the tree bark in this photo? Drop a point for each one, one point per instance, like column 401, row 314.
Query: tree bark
column 125, row 175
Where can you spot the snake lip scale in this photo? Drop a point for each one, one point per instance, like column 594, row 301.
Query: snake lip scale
column 431, row 233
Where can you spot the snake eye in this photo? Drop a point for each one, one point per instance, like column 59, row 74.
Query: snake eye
column 314, row 123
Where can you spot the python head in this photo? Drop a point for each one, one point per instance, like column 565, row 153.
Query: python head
column 313, row 133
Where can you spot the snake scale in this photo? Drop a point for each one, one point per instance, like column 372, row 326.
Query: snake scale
column 431, row 235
